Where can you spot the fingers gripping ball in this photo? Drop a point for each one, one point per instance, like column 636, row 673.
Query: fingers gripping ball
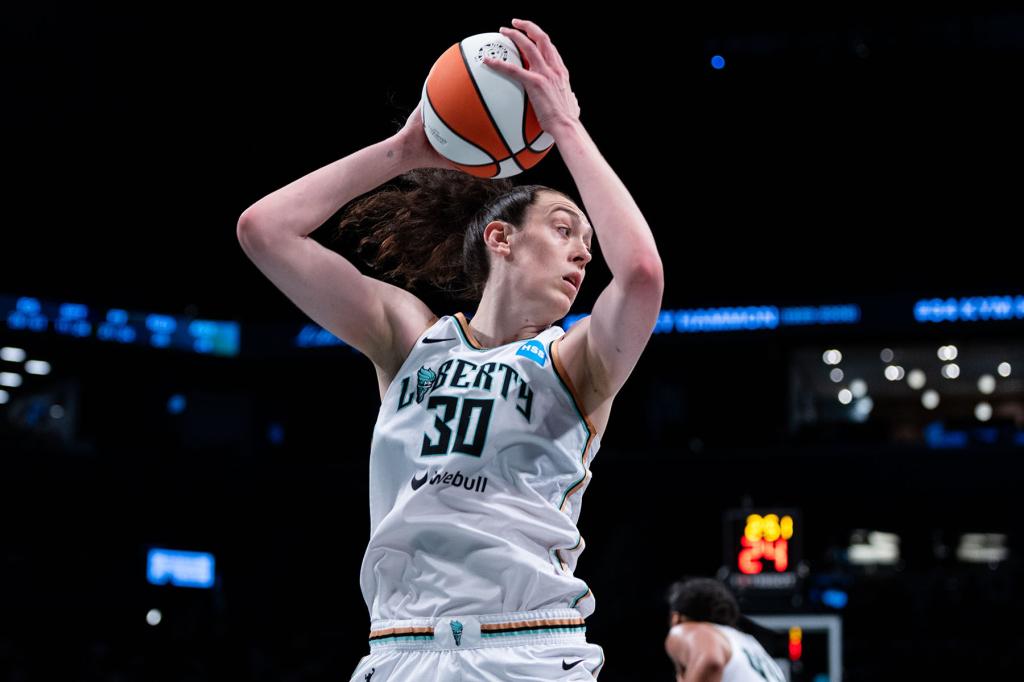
column 477, row 118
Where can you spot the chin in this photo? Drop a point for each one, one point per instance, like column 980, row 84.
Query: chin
column 558, row 306
column 564, row 308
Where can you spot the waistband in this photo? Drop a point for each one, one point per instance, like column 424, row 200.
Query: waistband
column 477, row 631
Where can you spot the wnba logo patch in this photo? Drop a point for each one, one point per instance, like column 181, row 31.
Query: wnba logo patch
column 535, row 351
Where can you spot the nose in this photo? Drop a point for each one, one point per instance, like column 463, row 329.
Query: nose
column 581, row 255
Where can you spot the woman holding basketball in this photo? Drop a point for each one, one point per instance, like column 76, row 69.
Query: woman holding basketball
column 487, row 427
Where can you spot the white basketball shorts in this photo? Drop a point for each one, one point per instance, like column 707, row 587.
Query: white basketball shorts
column 526, row 645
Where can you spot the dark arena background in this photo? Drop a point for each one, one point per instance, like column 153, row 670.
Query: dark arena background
column 829, row 416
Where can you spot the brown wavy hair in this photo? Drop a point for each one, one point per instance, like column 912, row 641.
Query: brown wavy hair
column 428, row 227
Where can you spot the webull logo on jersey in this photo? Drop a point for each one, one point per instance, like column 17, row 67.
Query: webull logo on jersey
column 474, row 484
column 534, row 350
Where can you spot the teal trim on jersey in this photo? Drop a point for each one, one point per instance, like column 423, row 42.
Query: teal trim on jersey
column 556, row 561
column 578, row 541
column 579, row 413
column 534, row 631
column 586, row 442
column 573, row 603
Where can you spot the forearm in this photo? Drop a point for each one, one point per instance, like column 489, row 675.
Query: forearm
column 626, row 240
column 303, row 205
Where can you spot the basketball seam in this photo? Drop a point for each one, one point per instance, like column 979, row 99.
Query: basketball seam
column 483, row 100
column 529, row 143
column 433, row 110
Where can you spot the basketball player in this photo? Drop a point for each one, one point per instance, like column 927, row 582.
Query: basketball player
column 487, row 426
column 704, row 642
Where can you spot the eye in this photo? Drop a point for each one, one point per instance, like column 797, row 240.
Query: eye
column 568, row 231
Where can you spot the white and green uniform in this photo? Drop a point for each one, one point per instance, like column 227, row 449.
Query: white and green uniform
column 749, row 661
column 478, row 465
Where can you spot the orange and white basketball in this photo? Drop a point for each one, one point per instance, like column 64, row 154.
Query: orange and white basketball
column 477, row 118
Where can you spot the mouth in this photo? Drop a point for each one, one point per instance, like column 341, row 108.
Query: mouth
column 575, row 279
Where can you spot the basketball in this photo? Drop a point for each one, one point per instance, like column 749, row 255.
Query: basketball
column 477, row 118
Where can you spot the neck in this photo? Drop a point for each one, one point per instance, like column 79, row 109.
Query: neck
column 503, row 318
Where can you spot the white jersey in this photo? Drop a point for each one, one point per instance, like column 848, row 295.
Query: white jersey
column 478, row 465
column 749, row 661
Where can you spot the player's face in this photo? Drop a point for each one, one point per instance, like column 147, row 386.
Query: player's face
column 555, row 250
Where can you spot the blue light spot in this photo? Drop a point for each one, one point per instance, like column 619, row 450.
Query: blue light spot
column 570, row 320
column 17, row 320
column 117, row 316
column 183, row 569
column 718, row 62
column 726, row 319
column 161, row 324
column 969, row 309
column 202, row 327
column 665, row 322
column 29, row 306
column 74, row 310
column 936, row 436
column 275, row 433
column 837, row 599
column 312, row 336
column 176, row 404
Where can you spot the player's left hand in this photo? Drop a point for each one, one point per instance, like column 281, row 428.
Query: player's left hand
column 545, row 78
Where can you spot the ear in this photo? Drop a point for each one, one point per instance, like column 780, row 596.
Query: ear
column 496, row 236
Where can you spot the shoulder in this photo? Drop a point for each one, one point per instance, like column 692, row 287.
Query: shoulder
column 406, row 332
column 676, row 644
column 693, row 636
column 709, row 640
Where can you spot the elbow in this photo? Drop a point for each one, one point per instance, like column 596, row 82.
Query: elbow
column 648, row 274
column 653, row 270
column 263, row 226
column 246, row 223
column 251, row 230
column 245, row 231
